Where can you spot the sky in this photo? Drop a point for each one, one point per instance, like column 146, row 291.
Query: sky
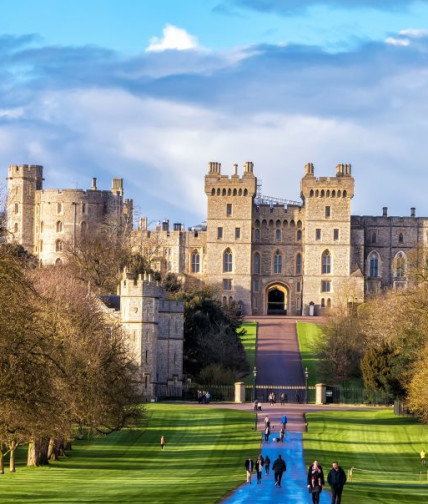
column 152, row 90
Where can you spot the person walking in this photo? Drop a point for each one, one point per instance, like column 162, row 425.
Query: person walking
column 267, row 465
column 283, row 398
column 249, row 467
column 315, row 481
column 284, row 421
column 279, row 467
column 267, row 421
column 423, row 457
column 281, row 434
column 259, row 468
column 162, row 442
column 336, row 479
column 267, row 434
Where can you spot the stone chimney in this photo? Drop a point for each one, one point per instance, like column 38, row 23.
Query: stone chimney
column 385, row 211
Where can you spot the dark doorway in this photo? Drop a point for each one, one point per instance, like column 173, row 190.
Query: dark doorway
column 277, row 301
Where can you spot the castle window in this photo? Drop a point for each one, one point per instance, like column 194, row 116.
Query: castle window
column 400, row 238
column 245, row 192
column 240, row 192
column 256, row 285
column 227, row 261
column 256, row 263
column 235, row 192
column 237, row 233
column 224, row 300
column 41, row 246
column 59, row 227
column 229, row 209
column 264, row 223
column 219, row 233
column 230, row 299
column 58, row 246
column 213, row 192
column 327, row 212
column 298, row 287
column 298, row 264
column 325, row 286
column 277, row 262
column 257, row 234
column 292, row 223
column 339, row 194
column 42, row 226
column 218, row 192
column 322, row 302
column 257, row 223
column 196, row 262
column 311, row 193
column 317, row 234
column 15, row 227
column 322, row 193
column 326, row 263
column 328, row 302
column 333, row 193
column 227, row 284
column 271, row 223
column 345, row 194
column 373, row 238
column 328, row 193
column 16, row 208
column 299, row 224
column 400, row 265
column 223, row 192
column 278, row 223
column 285, row 223
column 374, row 266
column 229, row 192
column 146, row 379
column 147, row 356
column 58, row 262
column 83, row 227
column 278, row 235
column 83, row 207
column 299, row 235
column 335, row 234
column 59, row 208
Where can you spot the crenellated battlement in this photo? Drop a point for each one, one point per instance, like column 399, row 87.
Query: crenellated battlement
column 217, row 184
column 142, row 286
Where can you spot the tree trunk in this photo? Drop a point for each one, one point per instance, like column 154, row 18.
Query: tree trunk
column 12, row 447
column 52, row 450
column 38, row 452
column 1, row 461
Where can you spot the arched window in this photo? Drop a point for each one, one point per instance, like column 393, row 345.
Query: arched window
column 218, row 192
column 196, row 262
column 333, row 193
column 271, row 223
column 59, row 207
column 245, row 192
column 328, row 302
column 229, row 192
column 278, row 223
column 400, row 265
column 299, row 235
column 373, row 238
column 235, row 192
column 257, row 263
column 58, row 246
column 227, row 261
column 311, row 193
column 298, row 264
column 400, row 238
column 374, row 265
column 326, row 263
column 278, row 235
column 213, row 191
column 322, row 302
column 277, row 262
column 16, row 208
column 15, row 227
column 240, row 192
column 58, row 262
column 59, row 227
column 83, row 227
column 345, row 194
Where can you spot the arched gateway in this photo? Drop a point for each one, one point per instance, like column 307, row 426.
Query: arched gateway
column 277, row 299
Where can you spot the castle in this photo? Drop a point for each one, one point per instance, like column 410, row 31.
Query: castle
column 269, row 255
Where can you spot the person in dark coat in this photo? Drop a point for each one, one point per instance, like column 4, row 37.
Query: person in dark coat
column 315, row 481
column 336, row 479
column 249, row 467
column 279, row 467
column 267, row 465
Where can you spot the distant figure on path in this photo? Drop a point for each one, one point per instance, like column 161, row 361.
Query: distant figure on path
column 283, row 398
column 163, row 442
column 279, row 467
column 259, row 468
column 249, row 467
column 267, row 465
column 207, row 397
column 267, row 434
column 267, row 421
column 315, row 481
column 281, row 434
column 336, row 479
column 423, row 457
column 284, row 421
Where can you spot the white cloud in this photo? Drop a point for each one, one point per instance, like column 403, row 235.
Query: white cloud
column 414, row 32
column 173, row 38
column 397, row 41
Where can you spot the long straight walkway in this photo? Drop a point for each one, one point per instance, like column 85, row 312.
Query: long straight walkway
column 278, row 357
column 293, row 489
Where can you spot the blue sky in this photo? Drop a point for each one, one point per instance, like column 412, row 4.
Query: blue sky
column 152, row 90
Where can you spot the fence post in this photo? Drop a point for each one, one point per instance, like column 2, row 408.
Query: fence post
column 320, row 393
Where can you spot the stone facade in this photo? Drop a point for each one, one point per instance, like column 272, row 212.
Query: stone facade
column 44, row 221
column 154, row 326
column 270, row 255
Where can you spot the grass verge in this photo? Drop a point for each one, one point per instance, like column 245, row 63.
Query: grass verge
column 249, row 341
column 308, row 333
column 202, row 462
column 383, row 448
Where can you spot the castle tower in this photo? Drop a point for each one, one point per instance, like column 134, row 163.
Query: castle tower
column 229, row 221
column 139, row 307
column 327, row 244
column 23, row 181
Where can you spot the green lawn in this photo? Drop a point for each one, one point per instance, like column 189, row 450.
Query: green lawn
column 249, row 341
column 383, row 448
column 307, row 334
column 202, row 462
